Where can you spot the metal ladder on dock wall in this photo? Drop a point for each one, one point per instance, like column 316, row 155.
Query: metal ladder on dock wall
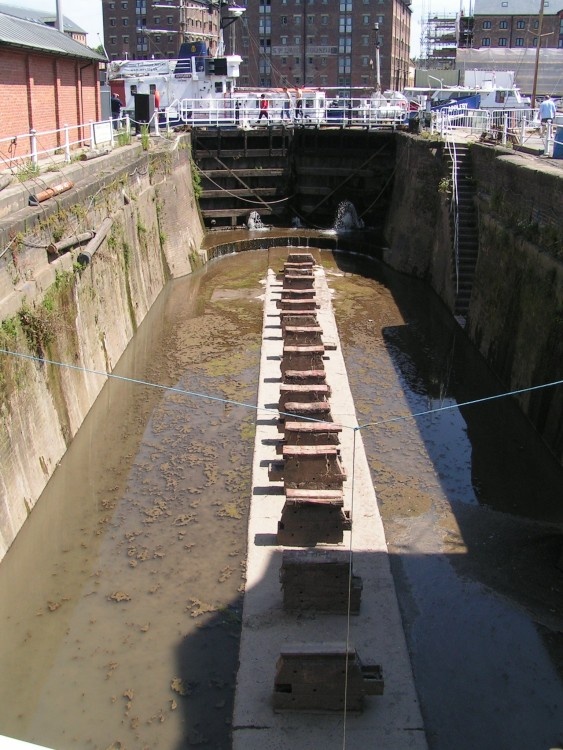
column 463, row 225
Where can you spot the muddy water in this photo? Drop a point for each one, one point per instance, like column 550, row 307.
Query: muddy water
column 121, row 597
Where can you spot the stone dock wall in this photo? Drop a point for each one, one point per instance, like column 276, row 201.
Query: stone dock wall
column 52, row 307
column 515, row 315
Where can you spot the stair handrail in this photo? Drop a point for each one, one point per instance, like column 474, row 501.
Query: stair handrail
column 454, row 201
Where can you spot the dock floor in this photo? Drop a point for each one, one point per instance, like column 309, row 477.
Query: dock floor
column 389, row 722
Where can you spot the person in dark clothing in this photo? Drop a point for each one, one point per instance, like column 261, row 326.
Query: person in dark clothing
column 115, row 110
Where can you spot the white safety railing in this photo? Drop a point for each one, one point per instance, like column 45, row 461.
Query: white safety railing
column 59, row 143
column 246, row 112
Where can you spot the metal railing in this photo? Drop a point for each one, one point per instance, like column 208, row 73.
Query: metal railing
column 58, row 144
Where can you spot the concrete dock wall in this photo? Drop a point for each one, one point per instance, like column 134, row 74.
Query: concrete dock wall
column 51, row 307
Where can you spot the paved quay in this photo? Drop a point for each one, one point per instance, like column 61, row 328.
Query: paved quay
column 389, row 722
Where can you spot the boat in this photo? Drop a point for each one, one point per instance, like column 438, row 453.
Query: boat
column 193, row 87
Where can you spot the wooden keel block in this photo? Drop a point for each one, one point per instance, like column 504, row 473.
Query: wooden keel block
column 320, row 580
column 324, row 677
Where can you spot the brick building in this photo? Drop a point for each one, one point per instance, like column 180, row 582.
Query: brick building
column 147, row 29
column 516, row 24
column 323, row 43
column 48, row 80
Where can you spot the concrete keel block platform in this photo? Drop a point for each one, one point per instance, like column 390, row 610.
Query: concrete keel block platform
column 391, row 721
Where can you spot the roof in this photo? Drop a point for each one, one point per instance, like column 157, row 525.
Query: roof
column 32, row 14
column 18, row 32
column 514, row 7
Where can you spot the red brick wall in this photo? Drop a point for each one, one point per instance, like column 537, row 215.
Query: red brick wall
column 45, row 92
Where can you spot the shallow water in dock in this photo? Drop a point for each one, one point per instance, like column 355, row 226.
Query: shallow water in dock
column 120, row 600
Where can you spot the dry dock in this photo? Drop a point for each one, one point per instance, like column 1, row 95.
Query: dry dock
column 389, row 721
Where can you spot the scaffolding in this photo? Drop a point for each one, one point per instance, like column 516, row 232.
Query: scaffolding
column 440, row 35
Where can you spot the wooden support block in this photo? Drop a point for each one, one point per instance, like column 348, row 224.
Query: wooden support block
column 300, row 258
column 306, row 524
column 312, row 467
column 302, row 358
column 298, row 281
column 317, row 495
column 293, row 294
column 311, row 433
column 302, row 335
column 297, row 318
column 320, row 580
column 305, row 411
column 302, row 393
column 324, row 677
column 305, row 376
column 297, row 304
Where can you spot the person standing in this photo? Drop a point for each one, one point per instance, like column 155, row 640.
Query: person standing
column 286, row 109
column 298, row 103
column 115, row 110
column 264, row 104
column 547, row 113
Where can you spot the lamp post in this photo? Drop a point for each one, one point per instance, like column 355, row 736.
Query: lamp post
column 377, row 64
column 235, row 12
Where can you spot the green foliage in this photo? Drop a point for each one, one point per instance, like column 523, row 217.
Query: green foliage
column 37, row 328
column 196, row 181
column 9, row 328
column 123, row 138
column 26, row 170
column 445, row 185
column 145, row 137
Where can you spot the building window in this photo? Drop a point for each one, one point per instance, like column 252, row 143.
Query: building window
column 345, row 25
column 486, row 41
column 125, row 21
column 310, row 20
column 297, row 60
column 345, row 6
column 520, row 24
column 380, row 19
column 113, row 40
column 503, row 25
column 365, row 40
column 365, row 20
column 344, row 45
column 535, row 42
column 124, row 4
column 297, row 40
column 111, row 6
column 169, row 20
column 365, row 61
column 112, row 22
column 323, row 62
column 125, row 39
column 283, row 41
column 344, row 65
column 519, row 41
column 486, row 24
column 502, row 41
column 296, row 20
column 536, row 23
column 324, row 20
column 284, row 20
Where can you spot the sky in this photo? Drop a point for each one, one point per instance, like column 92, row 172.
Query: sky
column 88, row 15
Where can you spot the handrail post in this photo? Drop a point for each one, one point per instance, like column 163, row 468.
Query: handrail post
column 33, row 145
column 505, row 129
column 67, row 143
column 127, row 124
column 111, row 129
column 92, row 139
